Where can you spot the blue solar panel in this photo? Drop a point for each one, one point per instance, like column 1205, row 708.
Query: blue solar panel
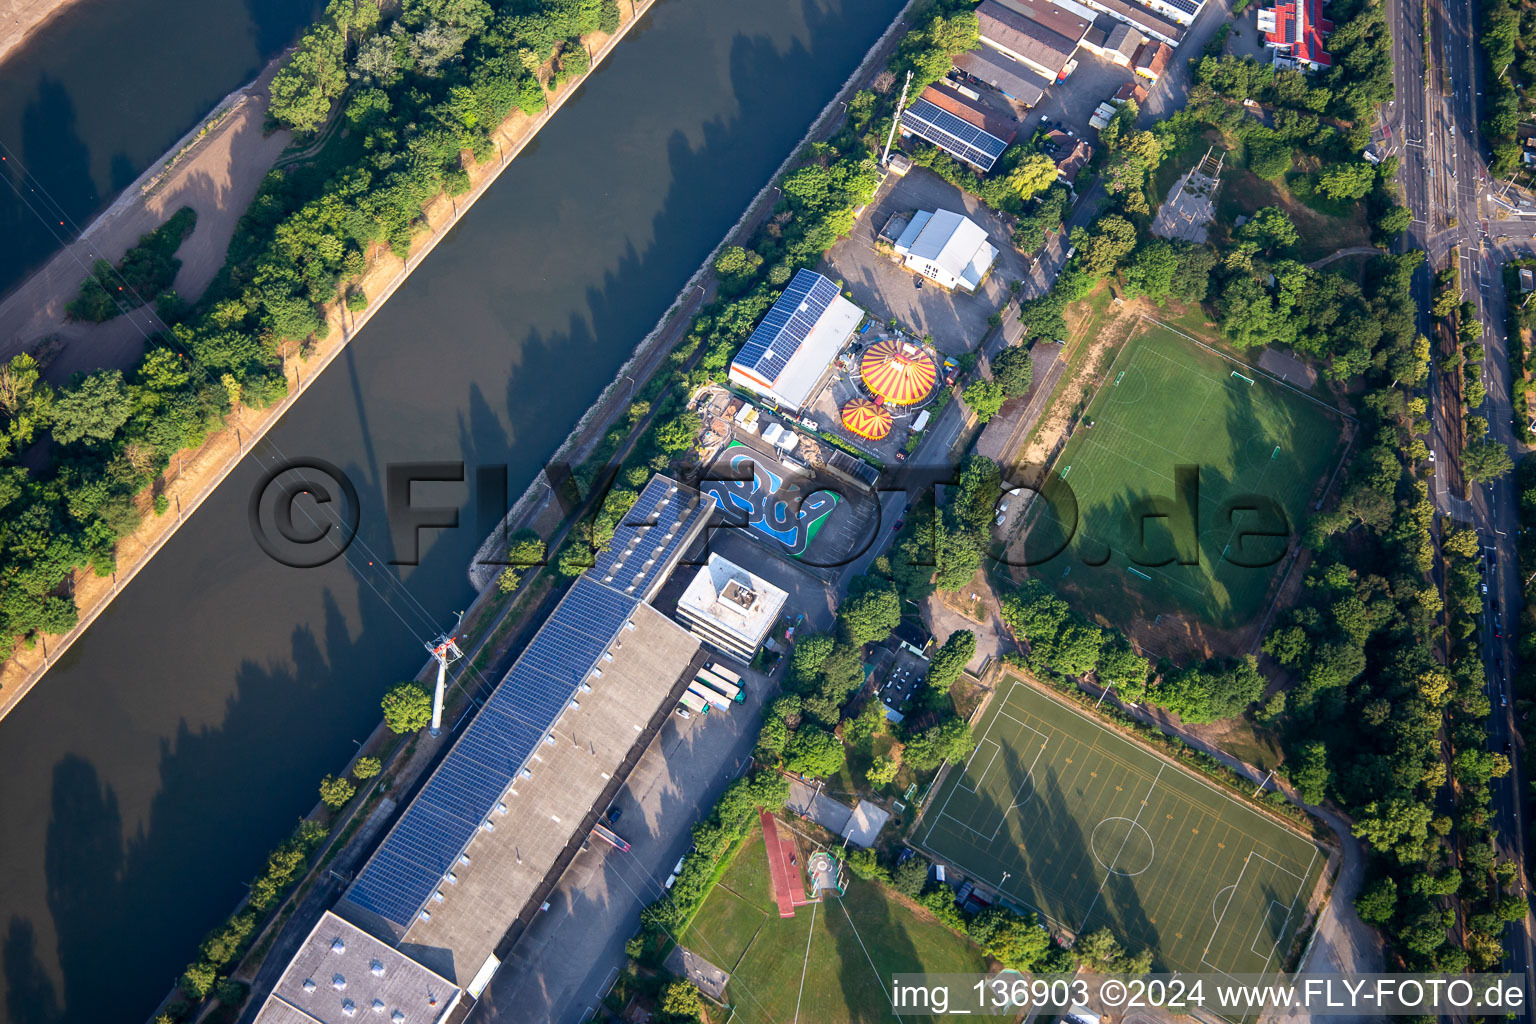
column 409, row 865
column 644, row 529
column 784, row 328
column 952, row 134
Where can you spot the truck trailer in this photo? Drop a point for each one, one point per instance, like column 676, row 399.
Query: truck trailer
column 708, row 695
column 693, row 703
column 714, row 682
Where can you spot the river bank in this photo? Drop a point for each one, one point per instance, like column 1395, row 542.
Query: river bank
column 198, row 473
column 24, row 17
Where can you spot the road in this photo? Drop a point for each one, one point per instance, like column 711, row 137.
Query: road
column 1444, row 177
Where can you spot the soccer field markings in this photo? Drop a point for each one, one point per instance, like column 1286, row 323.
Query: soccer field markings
column 1110, row 871
column 1204, row 828
column 1029, row 777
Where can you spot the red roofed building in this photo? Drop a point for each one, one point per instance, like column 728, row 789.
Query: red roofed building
column 1295, row 30
column 971, row 112
column 1152, row 59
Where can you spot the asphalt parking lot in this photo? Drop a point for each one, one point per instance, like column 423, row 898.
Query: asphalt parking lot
column 1071, row 103
column 956, row 320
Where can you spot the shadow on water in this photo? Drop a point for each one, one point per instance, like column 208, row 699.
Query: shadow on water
column 105, row 883
column 100, row 92
column 132, row 890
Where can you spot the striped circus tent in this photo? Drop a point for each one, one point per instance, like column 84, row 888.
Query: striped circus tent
column 866, row 419
column 898, row 372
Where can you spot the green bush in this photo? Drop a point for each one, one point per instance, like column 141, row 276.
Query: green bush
column 407, row 707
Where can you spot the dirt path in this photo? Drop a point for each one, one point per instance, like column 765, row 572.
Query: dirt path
column 216, row 172
column 1354, row 250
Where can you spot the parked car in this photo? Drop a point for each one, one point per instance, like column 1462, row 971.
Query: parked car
column 614, row 814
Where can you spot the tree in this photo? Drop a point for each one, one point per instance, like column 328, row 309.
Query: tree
column 950, row 740
column 1271, row 229
column 985, row 398
column 93, row 409
column 1393, row 221
column 1018, row 943
column 911, row 876
column 365, row 768
column 864, row 864
column 1346, row 181
column 335, row 792
column 1033, row 175
column 407, row 707
column 302, row 92
column 680, row 1002
column 1013, row 370
column 1121, row 667
column 1312, row 774
column 870, row 615
column 1212, row 691
column 950, row 659
column 1101, row 250
column 882, row 771
column 814, row 753
column 737, row 267
column 1378, row 901
column 679, row 433
column 771, row 739
column 1483, row 460
column 1101, row 951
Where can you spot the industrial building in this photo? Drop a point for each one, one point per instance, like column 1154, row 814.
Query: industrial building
column 948, row 248
column 1152, row 60
column 1012, row 78
column 1023, row 38
column 1150, row 22
column 1294, row 31
column 965, row 130
column 341, row 969
column 730, row 608
column 789, row 357
column 1115, row 41
column 493, row 826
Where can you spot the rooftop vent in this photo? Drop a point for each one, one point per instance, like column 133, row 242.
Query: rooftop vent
column 437, row 897
column 377, row 967
column 309, row 984
column 464, row 859
column 397, row 1017
column 338, row 982
column 338, row 946
column 426, row 915
column 378, row 1006
column 348, row 1007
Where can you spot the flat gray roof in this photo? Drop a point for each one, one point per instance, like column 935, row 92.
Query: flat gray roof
column 544, row 812
column 341, row 968
column 1004, row 74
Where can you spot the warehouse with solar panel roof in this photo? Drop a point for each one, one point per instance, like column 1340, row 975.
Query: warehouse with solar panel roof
column 790, row 356
column 470, row 856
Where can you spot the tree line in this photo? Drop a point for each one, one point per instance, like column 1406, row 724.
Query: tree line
column 418, row 95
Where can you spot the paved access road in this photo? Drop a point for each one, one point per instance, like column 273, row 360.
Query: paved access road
column 1445, row 182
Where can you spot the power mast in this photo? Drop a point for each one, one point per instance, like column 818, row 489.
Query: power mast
column 891, row 135
column 444, row 649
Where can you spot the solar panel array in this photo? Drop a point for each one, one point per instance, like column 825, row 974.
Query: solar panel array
column 953, row 135
column 436, row 829
column 1189, row 7
column 785, row 327
column 646, row 542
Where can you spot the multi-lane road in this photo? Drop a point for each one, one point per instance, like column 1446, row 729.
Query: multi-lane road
column 1445, row 182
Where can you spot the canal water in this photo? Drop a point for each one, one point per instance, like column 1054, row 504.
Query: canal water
column 99, row 93
column 145, row 778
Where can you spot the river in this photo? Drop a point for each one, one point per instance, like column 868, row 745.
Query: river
column 100, row 92
column 145, row 778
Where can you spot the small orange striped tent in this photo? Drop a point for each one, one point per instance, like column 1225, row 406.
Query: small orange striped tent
column 866, row 419
column 899, row 372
